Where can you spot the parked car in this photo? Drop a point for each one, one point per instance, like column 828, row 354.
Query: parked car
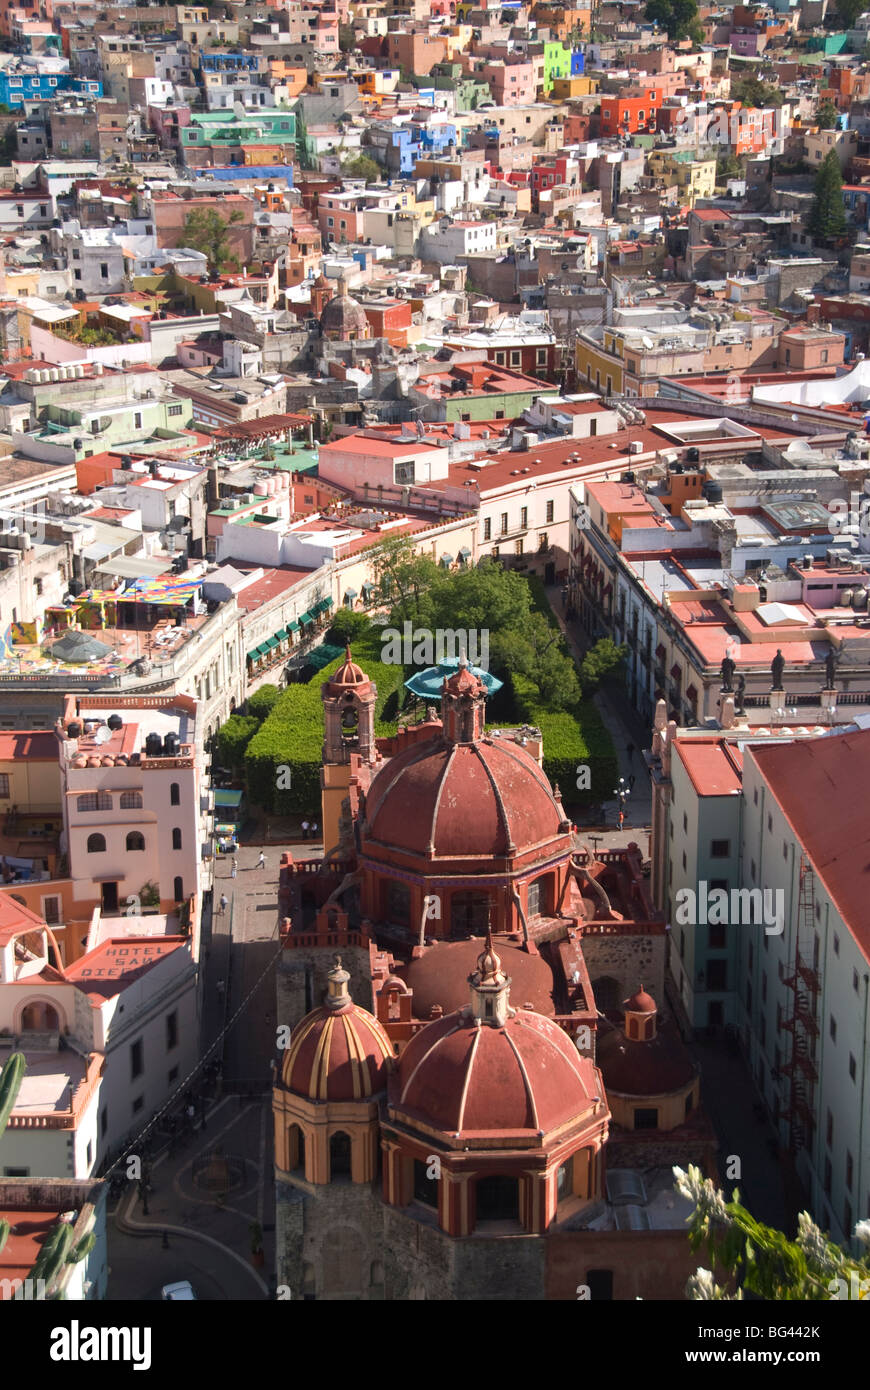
column 182, row 1292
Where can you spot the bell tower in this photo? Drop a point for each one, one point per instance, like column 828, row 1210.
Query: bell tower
column 349, row 699
column 463, row 705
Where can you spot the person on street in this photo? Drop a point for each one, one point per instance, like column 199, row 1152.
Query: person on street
column 235, row 869
column 305, row 829
column 314, row 830
column 261, row 862
column 224, row 903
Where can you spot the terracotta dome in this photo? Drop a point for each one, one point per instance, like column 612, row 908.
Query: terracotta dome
column 526, row 1075
column 456, row 801
column 338, row 1052
column 640, row 1003
column 348, row 673
column 440, row 975
column 643, row 1067
column 343, row 317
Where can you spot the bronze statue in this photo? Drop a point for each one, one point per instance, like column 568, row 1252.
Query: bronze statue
column 727, row 670
column 777, row 667
column 830, row 670
column 741, row 691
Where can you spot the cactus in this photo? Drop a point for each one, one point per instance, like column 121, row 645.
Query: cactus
column 53, row 1255
column 11, row 1078
column 5, row 1228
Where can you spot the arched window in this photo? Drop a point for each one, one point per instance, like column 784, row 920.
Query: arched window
column 425, row 1187
column 176, row 838
column 96, row 844
column 296, row 1148
column 498, row 1198
column 131, row 801
column 607, row 993
column 339, row 1155
column 135, row 840
column 94, row 801
column 540, row 896
column 178, row 888
column 565, row 1180
column 174, row 794
column 632, row 1028
column 470, row 914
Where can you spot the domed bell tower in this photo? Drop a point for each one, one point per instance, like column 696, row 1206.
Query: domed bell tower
column 349, row 699
column 463, row 706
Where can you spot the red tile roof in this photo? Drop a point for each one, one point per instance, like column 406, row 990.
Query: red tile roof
column 714, row 765
column 115, row 964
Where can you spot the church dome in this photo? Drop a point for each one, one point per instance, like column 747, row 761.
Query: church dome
column 640, row 1003
column 348, row 675
column 487, row 799
column 644, row 1066
column 343, row 317
column 526, row 1075
column 338, row 1052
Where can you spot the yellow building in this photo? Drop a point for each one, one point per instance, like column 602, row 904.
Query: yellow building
column 601, row 366
column 566, row 87
column 695, row 178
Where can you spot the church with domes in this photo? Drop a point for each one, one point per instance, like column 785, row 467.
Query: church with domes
column 457, row 974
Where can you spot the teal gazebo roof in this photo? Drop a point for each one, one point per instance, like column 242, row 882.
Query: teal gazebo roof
column 427, row 684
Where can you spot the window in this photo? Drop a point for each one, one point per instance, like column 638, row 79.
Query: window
column 178, row 888
column 516, row 359
column 171, row 1030
column 425, row 1188
column 94, row 801
column 176, row 838
column 104, row 1121
column 498, row 1198
column 541, row 360
column 717, row 975
column 716, row 936
column 832, row 1028
column 524, row 517
column 499, row 359
column 137, row 1059
column 137, row 1105
column 849, row 1175
column 172, row 1075
column 852, row 1067
column 96, row 844
column 549, row 516
column 131, row 801
column 646, row 1118
column 174, row 410
column 504, row 523
column 4, row 784
column 829, row 1129
column 720, row 849
column 544, row 541
column 135, row 841
column 855, row 981
column 836, row 944
column 51, row 910
column 174, row 794
column 518, row 546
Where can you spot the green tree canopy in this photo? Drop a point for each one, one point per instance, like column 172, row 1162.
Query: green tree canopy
column 261, row 702
column 346, row 38
column 601, row 661
column 234, row 737
column 362, row 167
column 752, row 92
column 763, row 1259
column 827, row 216
column 679, row 18
column 206, row 231
column 347, row 626
column 849, row 10
column 826, row 114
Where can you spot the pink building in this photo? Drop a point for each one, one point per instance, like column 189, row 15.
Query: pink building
column 511, row 84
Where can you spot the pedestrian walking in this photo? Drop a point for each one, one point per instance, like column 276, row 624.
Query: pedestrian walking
column 314, row 830
column 235, row 869
column 305, row 829
column 224, row 903
column 261, row 862
column 220, row 989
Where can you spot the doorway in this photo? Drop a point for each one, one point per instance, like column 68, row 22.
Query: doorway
column 109, row 895
column 550, row 574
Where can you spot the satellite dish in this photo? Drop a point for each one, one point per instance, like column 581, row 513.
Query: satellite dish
column 647, row 342
column 102, row 734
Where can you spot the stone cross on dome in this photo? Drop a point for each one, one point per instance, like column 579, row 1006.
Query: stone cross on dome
column 338, row 996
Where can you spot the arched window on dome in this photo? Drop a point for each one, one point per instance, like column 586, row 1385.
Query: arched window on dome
column 633, row 1030
column 296, row 1150
column 470, row 914
column 540, row 896
column 425, row 1187
column 498, row 1199
column 397, row 904
column 565, row 1181
column 339, row 1155
column 649, row 1027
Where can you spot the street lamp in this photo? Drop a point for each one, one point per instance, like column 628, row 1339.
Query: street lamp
column 622, row 793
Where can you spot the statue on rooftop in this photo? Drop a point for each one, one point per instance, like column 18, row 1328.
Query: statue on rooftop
column 777, row 667
column 830, row 670
column 727, row 670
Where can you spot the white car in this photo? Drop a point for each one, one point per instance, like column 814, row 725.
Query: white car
column 182, row 1292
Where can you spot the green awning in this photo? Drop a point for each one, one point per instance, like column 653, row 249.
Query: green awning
column 270, row 644
column 350, row 593
column 253, row 655
column 281, row 635
column 292, row 626
column 321, row 606
column 306, row 618
column 368, row 588
column 464, row 552
column 446, row 560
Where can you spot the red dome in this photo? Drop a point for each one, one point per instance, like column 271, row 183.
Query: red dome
column 337, row 1054
column 464, row 1078
column 640, row 1003
column 348, row 673
column 455, row 801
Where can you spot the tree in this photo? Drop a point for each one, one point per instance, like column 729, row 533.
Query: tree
column 827, row 216
column 677, row 17
column 346, row 38
column 601, row 661
column 206, row 231
column 347, row 625
column 750, row 91
column 403, row 576
column 826, row 115
column 849, row 10
column 362, row 167
column 234, row 737
column 766, row 1262
column 728, row 166
column 537, row 650
column 261, row 703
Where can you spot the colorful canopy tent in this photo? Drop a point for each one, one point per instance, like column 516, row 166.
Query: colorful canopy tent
column 427, row 684
column 228, row 797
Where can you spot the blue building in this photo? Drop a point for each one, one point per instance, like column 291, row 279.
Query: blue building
column 578, row 62
column 16, row 88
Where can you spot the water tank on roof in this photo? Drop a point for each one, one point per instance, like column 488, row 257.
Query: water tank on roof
column 115, row 722
column 74, row 729
column 692, row 455
column 171, row 745
column 261, row 489
column 153, row 746
column 712, row 491
column 76, row 587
